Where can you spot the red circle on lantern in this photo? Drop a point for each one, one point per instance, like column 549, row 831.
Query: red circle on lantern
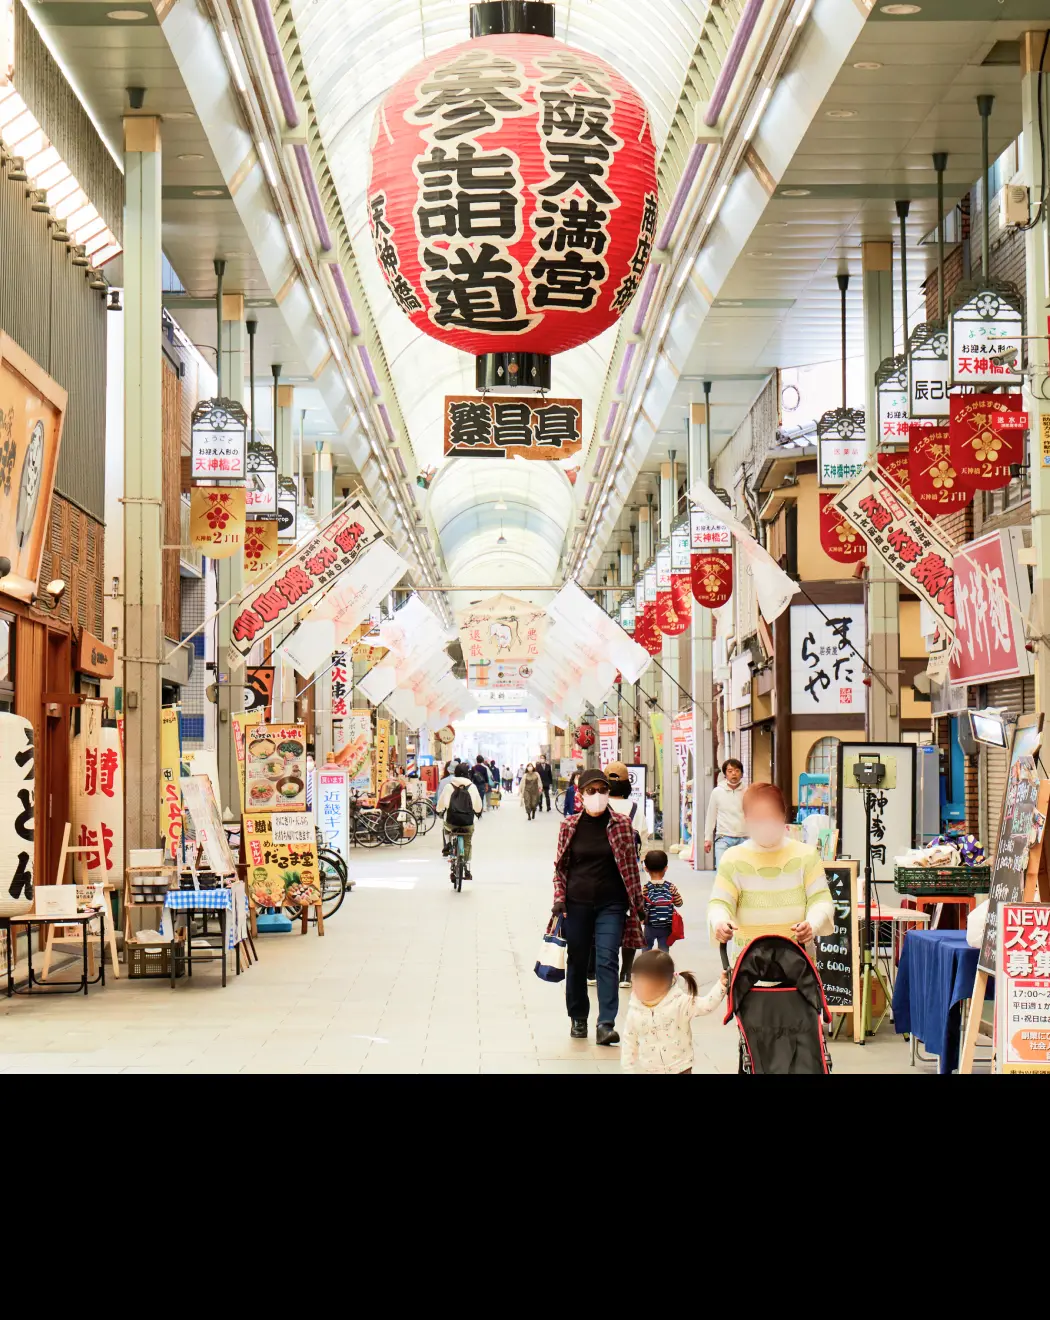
column 513, row 196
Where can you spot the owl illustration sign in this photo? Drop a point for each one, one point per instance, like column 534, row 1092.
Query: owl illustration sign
column 32, row 407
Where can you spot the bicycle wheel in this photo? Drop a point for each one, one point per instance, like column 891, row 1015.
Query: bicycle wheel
column 401, row 827
column 367, row 831
column 559, row 803
column 424, row 813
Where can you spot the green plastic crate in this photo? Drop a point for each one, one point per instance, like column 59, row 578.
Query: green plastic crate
column 924, row 881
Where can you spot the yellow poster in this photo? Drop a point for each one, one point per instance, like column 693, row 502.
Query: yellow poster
column 656, row 723
column 32, row 406
column 260, row 549
column 170, row 793
column 382, row 753
column 281, row 852
column 243, row 722
column 217, row 520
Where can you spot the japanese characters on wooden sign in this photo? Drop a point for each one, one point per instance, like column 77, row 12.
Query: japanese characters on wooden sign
column 984, row 441
column 494, row 427
column 826, row 675
column 992, row 598
column 914, row 549
column 303, row 576
column 218, row 430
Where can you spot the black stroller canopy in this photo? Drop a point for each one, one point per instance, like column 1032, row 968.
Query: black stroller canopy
column 778, row 1002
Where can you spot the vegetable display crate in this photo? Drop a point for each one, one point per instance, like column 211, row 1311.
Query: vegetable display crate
column 923, row 881
column 149, row 961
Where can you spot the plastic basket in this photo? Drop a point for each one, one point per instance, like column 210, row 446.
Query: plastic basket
column 921, row 881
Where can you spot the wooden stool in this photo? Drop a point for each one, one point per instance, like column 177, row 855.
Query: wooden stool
column 928, row 901
column 304, row 913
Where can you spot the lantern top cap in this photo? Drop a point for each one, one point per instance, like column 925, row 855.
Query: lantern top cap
column 493, row 17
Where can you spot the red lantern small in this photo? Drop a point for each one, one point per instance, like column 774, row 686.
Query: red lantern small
column 585, row 736
column 712, row 576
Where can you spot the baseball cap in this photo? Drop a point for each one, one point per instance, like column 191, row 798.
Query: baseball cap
column 616, row 770
column 592, row 777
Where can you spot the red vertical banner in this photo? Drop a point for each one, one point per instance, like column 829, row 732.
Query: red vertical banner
column 839, row 539
column 682, row 595
column 712, row 576
column 936, row 485
column 895, row 465
column 668, row 620
column 983, row 448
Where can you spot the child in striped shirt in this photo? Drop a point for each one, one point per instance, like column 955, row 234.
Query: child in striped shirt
column 661, row 898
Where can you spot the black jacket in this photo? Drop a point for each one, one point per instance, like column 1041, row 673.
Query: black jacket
column 546, row 774
column 480, row 776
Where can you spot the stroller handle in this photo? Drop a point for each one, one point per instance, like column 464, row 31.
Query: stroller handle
column 722, row 949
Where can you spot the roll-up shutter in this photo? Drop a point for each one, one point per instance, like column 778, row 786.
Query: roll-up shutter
column 1018, row 695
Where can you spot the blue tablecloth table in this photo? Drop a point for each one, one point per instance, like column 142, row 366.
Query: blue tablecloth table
column 936, row 973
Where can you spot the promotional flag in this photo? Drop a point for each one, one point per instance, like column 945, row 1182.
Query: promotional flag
column 773, row 587
column 608, row 738
column 17, row 801
column 98, row 798
column 668, row 620
column 933, row 479
column 170, row 772
column 217, row 523
column 839, row 539
column 984, row 441
column 502, row 628
column 260, row 549
column 896, row 464
column 711, row 573
column 682, row 594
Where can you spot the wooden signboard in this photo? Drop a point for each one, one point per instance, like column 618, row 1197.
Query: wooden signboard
column 1018, row 866
column 838, row 954
column 493, row 427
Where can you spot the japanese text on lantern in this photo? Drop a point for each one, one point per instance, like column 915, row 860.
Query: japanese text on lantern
column 470, row 195
column 574, row 204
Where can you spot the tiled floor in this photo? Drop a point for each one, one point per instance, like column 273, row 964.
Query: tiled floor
column 410, row 978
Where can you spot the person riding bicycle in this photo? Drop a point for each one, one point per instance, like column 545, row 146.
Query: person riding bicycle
column 459, row 802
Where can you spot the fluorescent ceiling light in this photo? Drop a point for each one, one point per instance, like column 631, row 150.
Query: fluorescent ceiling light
column 709, row 219
column 803, row 13
column 760, row 110
column 231, row 56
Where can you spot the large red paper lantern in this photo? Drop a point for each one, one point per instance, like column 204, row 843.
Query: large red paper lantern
column 513, row 199
column 585, row 736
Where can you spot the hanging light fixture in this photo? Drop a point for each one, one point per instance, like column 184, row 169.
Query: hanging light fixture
column 501, row 539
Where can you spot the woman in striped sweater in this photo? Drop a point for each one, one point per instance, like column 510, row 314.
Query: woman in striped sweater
column 771, row 884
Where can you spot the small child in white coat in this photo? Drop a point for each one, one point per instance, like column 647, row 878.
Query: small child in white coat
column 657, row 1036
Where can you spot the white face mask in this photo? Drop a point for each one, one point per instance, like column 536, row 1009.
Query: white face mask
column 595, row 803
column 767, row 833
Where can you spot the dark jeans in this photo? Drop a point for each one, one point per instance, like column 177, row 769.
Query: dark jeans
column 626, row 963
column 585, row 925
column 658, row 933
column 546, row 796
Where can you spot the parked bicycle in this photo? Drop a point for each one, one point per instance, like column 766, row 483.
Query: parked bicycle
column 423, row 810
column 386, row 823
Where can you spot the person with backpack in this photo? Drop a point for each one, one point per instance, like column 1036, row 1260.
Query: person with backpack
column 460, row 804
column 479, row 773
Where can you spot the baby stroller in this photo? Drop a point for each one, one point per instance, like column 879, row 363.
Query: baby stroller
column 778, row 1001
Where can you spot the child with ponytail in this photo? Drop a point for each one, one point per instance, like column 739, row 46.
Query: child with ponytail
column 658, row 1035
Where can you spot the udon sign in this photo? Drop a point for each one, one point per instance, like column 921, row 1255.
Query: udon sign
column 513, row 197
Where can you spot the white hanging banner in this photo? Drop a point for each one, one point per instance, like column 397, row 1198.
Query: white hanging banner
column 773, row 587
column 17, row 799
column 97, row 799
column 608, row 739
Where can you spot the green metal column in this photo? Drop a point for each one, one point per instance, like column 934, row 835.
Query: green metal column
column 143, row 513
column 883, row 597
column 230, row 572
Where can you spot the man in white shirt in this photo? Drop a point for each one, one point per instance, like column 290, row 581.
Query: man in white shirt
column 724, row 827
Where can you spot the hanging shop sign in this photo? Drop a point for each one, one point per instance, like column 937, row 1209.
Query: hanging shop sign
column 32, row 408
column 740, row 669
column 493, row 427
column 663, row 568
column 584, row 737
column 650, row 585
column 984, row 443
column 891, row 394
column 260, row 547
column 628, row 615
column 839, row 539
column 258, row 691
column 303, row 576
column 218, row 434
column 682, row 596
column 356, row 753
column 287, row 510
column 217, row 520
column 932, row 476
column 680, row 548
column 17, row 802
column 827, row 677
column 170, row 775
column 914, row 550
column 707, row 533
column 502, row 628
column 992, row 599
column 94, row 658
column 446, row 735
column 985, row 335
column 497, row 226
column 841, row 446
column 97, row 798
column 281, row 851
column 608, row 739
column 929, row 373
column 340, row 679
column 333, row 808
column 382, row 753
column 712, row 579
column 1022, row 989
column 275, row 768
column 261, row 481
column 892, row 807
column 895, row 466
column 639, row 594
column 670, row 621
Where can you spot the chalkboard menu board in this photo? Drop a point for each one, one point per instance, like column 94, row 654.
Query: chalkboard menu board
column 1011, row 852
column 838, row 954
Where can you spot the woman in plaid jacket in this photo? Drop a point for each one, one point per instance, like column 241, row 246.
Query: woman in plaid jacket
column 598, row 889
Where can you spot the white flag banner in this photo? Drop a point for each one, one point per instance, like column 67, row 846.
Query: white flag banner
column 597, row 633
column 343, row 608
column 411, row 636
column 773, row 587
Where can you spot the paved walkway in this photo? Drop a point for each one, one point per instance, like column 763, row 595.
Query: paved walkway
column 410, row 977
